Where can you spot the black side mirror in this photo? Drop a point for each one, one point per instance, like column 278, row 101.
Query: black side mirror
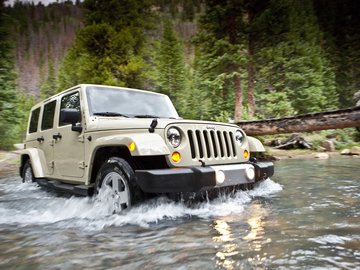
column 71, row 116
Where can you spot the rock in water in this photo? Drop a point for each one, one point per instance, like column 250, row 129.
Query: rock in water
column 345, row 152
column 322, row 156
column 355, row 150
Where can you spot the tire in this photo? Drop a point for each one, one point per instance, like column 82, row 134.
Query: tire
column 28, row 174
column 117, row 178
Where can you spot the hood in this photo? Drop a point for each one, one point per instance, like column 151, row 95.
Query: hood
column 111, row 123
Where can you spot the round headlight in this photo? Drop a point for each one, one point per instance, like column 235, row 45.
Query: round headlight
column 239, row 136
column 174, row 137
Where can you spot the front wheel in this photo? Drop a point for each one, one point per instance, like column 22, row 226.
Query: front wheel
column 28, row 174
column 116, row 181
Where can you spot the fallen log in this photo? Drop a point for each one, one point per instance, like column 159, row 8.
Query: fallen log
column 336, row 119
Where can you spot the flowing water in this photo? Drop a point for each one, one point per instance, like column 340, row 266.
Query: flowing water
column 306, row 217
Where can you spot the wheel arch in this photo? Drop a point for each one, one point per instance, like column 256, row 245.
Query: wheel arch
column 101, row 154
column 255, row 145
column 36, row 156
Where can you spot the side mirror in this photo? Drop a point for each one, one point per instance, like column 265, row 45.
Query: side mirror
column 71, row 116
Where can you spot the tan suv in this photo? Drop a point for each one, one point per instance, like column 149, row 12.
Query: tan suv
column 132, row 143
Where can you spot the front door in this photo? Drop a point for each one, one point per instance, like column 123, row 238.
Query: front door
column 69, row 145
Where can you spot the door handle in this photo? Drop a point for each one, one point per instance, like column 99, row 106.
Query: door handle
column 57, row 136
column 40, row 139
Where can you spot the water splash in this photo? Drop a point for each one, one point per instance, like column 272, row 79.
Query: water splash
column 33, row 206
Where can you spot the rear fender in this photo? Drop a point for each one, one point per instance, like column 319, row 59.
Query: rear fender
column 37, row 159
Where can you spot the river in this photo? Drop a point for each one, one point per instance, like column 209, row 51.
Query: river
column 306, row 217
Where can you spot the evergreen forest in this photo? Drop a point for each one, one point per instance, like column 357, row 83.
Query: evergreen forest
column 218, row 60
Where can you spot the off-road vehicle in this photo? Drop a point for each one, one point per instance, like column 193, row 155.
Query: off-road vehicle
column 132, row 143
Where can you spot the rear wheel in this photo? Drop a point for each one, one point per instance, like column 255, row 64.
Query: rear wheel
column 116, row 181
column 28, row 175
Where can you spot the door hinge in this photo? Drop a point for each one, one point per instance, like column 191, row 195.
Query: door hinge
column 51, row 164
column 81, row 138
column 81, row 164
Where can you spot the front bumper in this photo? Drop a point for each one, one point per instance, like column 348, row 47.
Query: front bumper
column 193, row 179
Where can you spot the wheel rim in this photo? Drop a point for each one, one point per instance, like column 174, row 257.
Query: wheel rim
column 28, row 175
column 119, row 190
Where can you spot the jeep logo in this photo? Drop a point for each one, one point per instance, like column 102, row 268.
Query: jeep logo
column 210, row 127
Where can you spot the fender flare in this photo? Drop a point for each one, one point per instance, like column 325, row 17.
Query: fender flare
column 255, row 145
column 150, row 144
column 37, row 161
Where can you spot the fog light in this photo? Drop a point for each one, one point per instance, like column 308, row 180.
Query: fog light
column 176, row 157
column 220, row 177
column 250, row 173
column 246, row 154
column 132, row 146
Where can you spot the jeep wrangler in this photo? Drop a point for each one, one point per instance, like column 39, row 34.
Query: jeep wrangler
column 133, row 143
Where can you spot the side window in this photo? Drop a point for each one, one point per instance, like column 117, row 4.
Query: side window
column 34, row 120
column 48, row 115
column 71, row 101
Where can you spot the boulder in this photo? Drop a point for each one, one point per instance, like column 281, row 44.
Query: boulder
column 355, row 150
column 322, row 156
column 328, row 145
column 345, row 152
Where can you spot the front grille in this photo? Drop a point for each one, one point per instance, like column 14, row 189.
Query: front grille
column 211, row 144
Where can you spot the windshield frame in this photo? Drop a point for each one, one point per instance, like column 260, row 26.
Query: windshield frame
column 170, row 111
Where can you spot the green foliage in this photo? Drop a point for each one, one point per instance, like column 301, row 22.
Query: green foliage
column 304, row 54
column 223, row 117
column 24, row 106
column 8, row 98
column 109, row 49
column 171, row 70
column 293, row 64
column 49, row 86
column 340, row 22
column 274, row 104
column 221, row 56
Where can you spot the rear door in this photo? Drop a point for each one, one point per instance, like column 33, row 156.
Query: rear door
column 45, row 138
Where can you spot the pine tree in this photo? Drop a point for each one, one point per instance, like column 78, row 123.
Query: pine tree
column 8, row 98
column 340, row 22
column 222, row 56
column 171, row 68
column 49, row 86
column 109, row 49
column 293, row 62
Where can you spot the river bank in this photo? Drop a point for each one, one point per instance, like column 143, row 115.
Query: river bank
column 9, row 163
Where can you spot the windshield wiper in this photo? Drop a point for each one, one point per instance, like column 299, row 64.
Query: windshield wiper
column 110, row 114
column 146, row 116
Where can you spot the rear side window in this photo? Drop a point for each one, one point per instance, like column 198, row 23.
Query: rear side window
column 34, row 120
column 71, row 101
column 48, row 115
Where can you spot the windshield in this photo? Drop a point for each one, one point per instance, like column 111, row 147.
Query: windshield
column 108, row 101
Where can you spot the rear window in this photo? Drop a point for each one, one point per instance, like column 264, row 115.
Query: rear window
column 48, row 115
column 34, row 120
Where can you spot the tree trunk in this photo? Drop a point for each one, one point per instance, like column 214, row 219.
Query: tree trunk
column 238, row 97
column 343, row 118
column 251, row 86
column 251, row 68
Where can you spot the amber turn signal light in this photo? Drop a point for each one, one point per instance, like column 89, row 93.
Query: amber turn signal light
column 132, row 146
column 246, row 154
column 176, row 157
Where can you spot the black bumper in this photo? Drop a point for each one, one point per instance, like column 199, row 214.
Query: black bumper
column 195, row 179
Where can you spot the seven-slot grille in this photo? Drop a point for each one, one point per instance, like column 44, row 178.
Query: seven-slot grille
column 211, row 144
